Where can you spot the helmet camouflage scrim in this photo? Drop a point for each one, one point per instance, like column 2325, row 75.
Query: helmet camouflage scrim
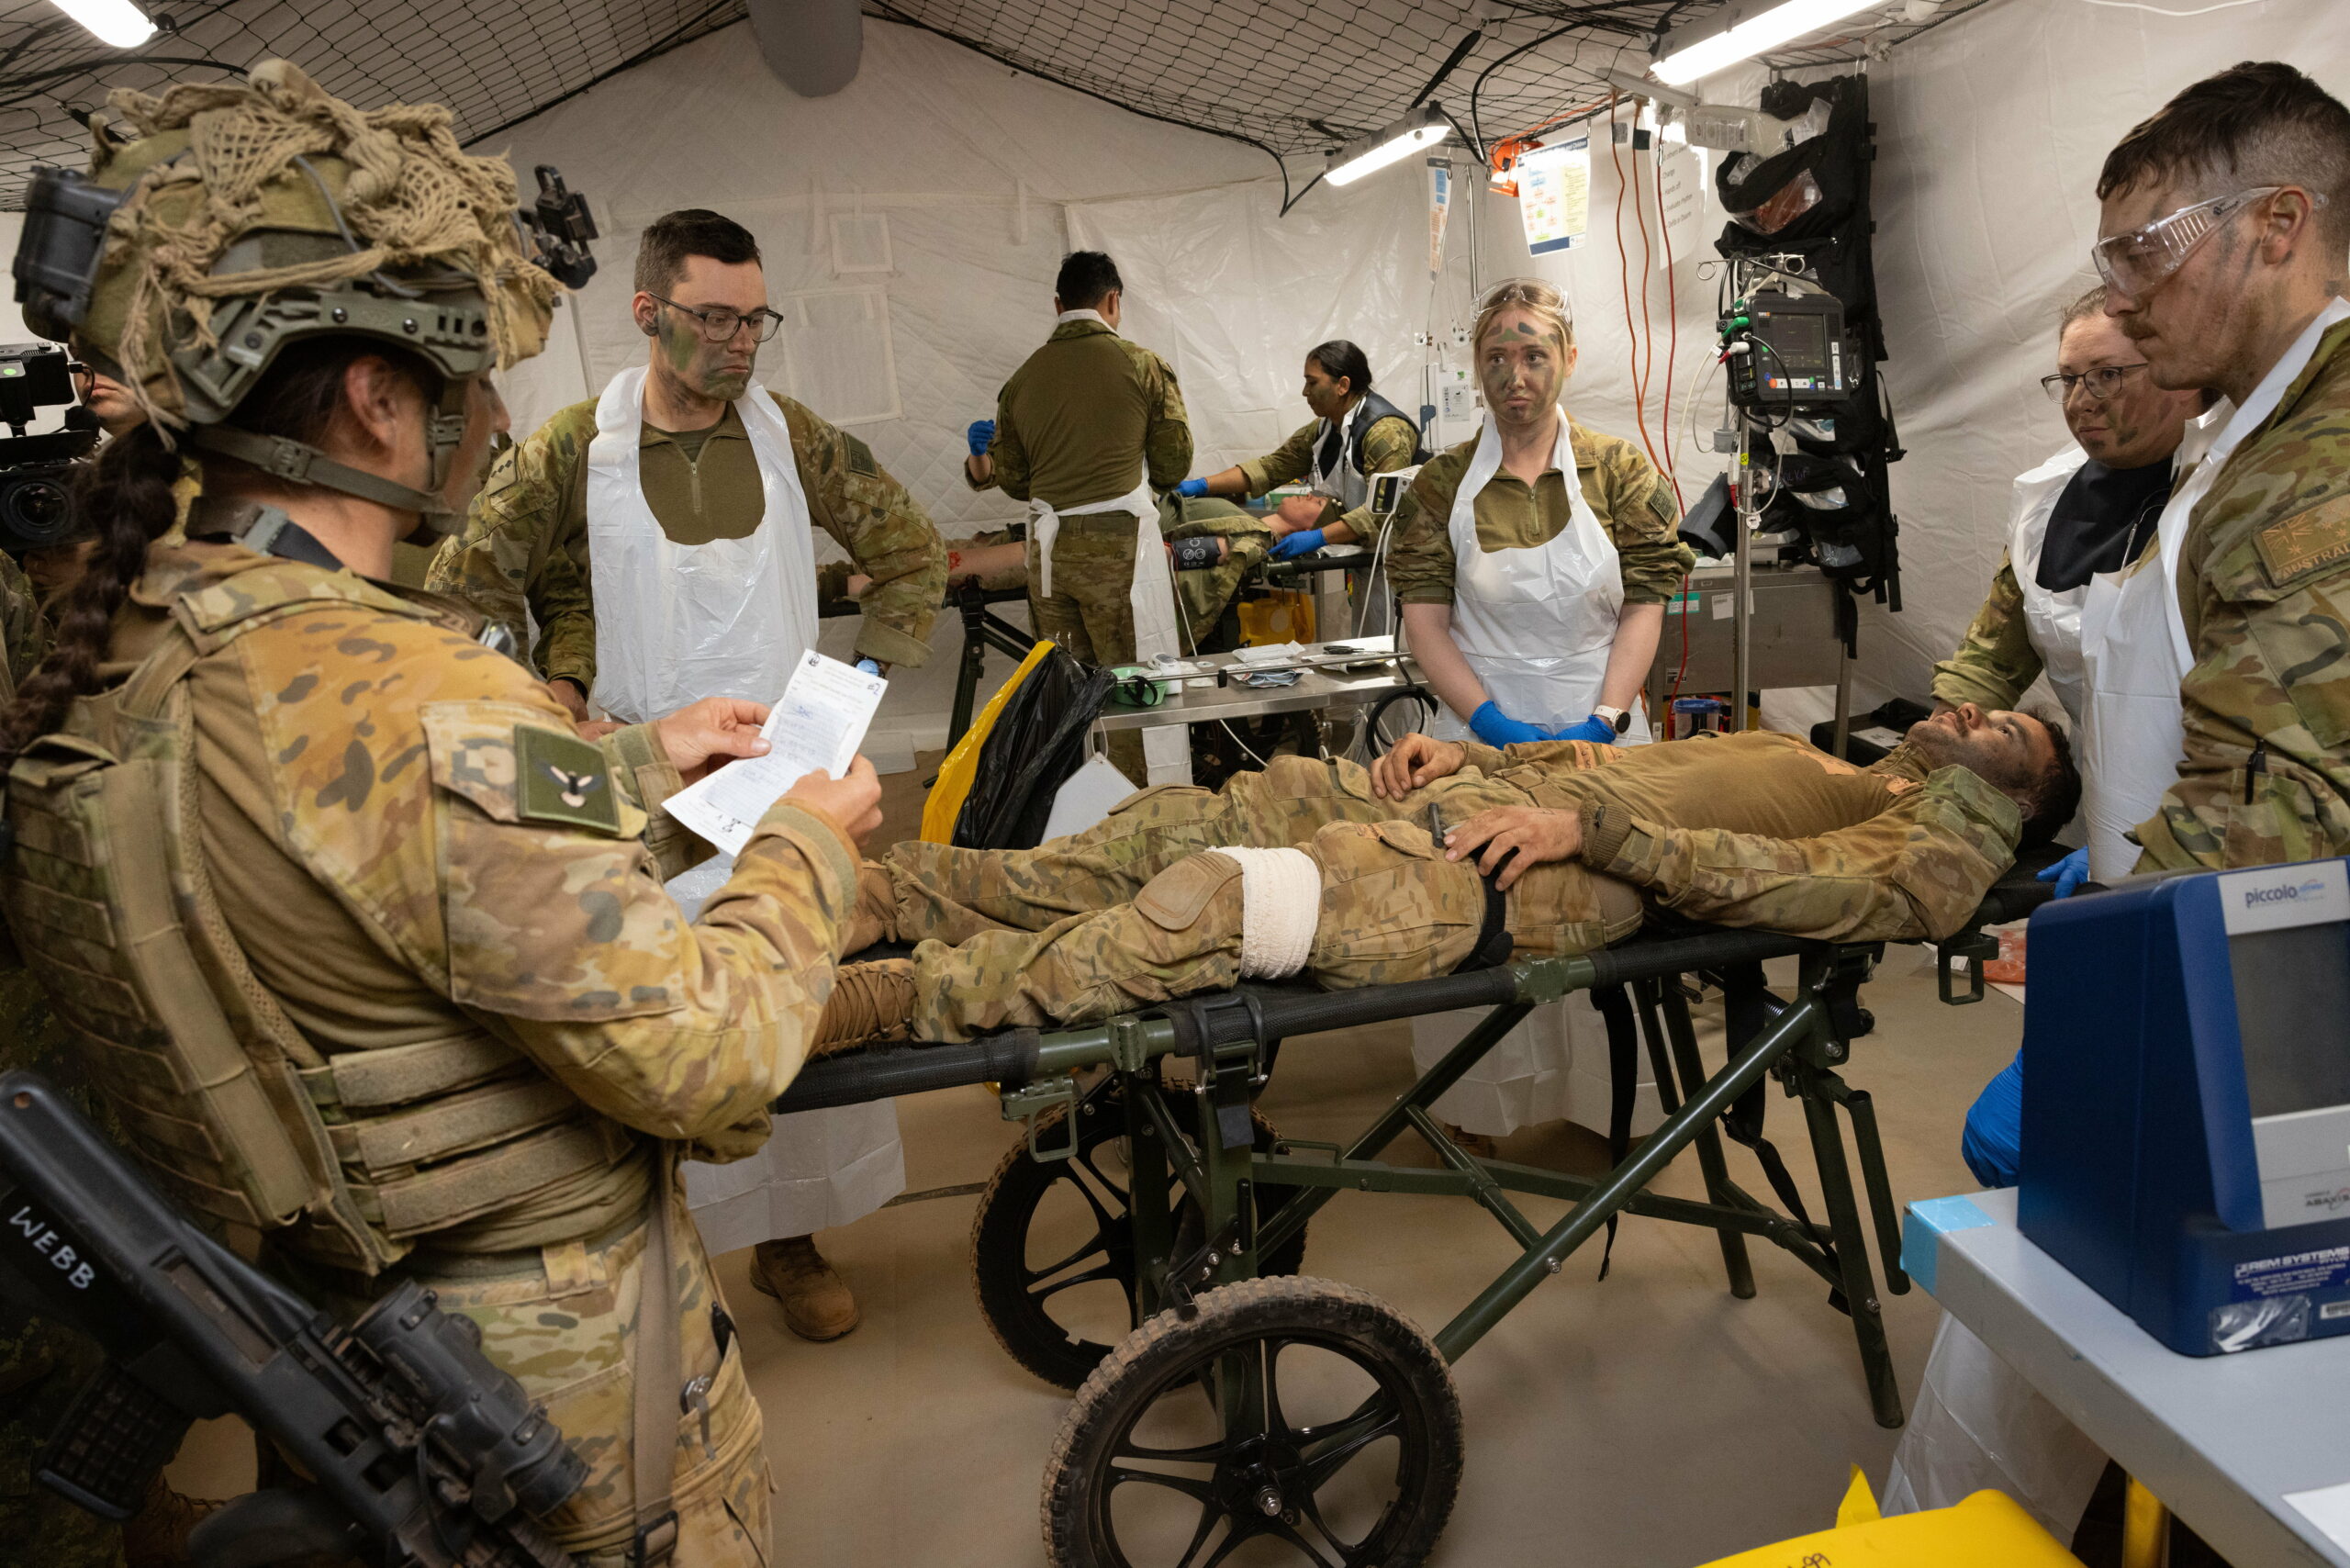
column 220, row 223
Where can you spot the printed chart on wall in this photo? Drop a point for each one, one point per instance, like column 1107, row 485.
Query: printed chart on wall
column 1680, row 195
column 1439, row 209
column 1554, row 195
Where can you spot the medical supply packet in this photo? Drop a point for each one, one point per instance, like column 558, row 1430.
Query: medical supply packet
column 819, row 723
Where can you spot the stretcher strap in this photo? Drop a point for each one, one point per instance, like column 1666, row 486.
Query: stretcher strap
column 1623, row 1071
column 1746, row 1008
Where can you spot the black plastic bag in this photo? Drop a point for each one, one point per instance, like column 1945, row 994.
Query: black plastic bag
column 1037, row 742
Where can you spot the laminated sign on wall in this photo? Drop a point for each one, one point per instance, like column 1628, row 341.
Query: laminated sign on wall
column 1554, row 194
column 1439, row 209
column 838, row 356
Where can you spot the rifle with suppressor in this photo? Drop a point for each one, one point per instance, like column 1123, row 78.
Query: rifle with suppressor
column 423, row 1454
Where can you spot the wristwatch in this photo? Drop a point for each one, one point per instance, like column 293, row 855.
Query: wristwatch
column 1615, row 716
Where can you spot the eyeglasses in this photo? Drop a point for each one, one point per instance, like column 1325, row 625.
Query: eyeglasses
column 2141, row 261
column 2100, row 384
column 720, row 323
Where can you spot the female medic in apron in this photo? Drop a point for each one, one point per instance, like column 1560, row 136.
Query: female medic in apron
column 1534, row 565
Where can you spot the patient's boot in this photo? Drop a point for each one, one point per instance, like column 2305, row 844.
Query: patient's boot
column 874, row 917
column 869, row 1002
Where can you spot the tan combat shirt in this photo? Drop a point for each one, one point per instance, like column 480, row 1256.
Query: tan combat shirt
column 1633, row 502
column 1087, row 418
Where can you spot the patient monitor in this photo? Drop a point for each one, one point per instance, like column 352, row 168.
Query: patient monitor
column 2187, row 1101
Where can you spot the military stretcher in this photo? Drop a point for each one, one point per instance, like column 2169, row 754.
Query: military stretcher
column 1207, row 1229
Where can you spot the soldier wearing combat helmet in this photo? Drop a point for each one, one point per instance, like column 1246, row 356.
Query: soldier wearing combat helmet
column 409, row 998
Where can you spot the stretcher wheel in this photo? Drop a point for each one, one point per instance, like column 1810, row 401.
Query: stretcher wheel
column 1074, row 1213
column 1291, row 1420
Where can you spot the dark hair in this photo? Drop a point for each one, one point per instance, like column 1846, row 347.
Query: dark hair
column 2056, row 797
column 2260, row 123
column 126, row 494
column 1341, row 361
column 1085, row 278
column 690, row 231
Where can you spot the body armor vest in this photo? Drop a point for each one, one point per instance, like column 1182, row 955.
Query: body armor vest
column 352, row 1156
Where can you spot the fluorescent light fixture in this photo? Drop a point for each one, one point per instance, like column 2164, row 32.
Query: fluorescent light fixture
column 1421, row 129
column 1752, row 28
column 117, row 22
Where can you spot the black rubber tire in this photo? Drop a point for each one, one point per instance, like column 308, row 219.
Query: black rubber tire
column 1004, row 1283
column 1266, row 1486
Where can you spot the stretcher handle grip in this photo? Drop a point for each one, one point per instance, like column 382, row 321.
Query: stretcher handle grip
column 2011, row 901
column 1009, row 1057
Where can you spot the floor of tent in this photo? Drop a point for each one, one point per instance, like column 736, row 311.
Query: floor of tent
column 1649, row 1422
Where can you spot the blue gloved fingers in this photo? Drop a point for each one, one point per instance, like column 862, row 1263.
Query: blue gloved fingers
column 1494, row 727
column 2068, row 874
column 1596, row 730
column 1304, row 541
column 1191, row 490
column 979, row 436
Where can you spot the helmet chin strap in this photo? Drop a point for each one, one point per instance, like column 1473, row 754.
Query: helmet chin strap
column 298, row 463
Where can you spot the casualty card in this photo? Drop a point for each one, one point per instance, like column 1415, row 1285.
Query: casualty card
column 819, row 723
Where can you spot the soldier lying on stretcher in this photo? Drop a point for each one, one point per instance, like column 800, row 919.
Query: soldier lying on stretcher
column 1338, row 872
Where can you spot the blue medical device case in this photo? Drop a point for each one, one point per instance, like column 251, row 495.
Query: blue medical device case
column 2186, row 1139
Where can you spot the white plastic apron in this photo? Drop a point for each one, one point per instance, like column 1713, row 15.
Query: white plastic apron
column 1343, row 482
column 2134, row 639
column 1166, row 748
column 2051, row 619
column 679, row 622
column 1535, row 624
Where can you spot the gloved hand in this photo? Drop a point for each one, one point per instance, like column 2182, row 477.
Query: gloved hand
column 869, row 665
column 2069, row 873
column 1191, row 490
column 1304, row 541
column 1596, row 730
column 1494, row 727
column 979, row 437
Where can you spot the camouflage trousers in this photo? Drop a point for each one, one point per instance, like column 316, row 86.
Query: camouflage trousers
column 1140, row 908
column 567, row 1328
column 1091, row 609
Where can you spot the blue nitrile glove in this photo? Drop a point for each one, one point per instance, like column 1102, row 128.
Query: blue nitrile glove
column 869, row 665
column 1304, row 541
column 1992, row 1141
column 1494, row 727
column 1191, row 490
column 1596, row 730
column 979, row 437
column 2069, row 873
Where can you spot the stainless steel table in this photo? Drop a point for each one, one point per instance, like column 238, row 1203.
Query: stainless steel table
column 1321, row 683
column 2252, row 1450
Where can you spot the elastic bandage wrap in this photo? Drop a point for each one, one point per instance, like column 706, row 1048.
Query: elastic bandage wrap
column 1281, row 902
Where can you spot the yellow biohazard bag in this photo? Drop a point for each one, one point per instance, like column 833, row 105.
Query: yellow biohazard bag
column 1988, row 1528
column 962, row 765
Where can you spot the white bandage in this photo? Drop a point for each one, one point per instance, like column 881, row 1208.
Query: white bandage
column 1281, row 900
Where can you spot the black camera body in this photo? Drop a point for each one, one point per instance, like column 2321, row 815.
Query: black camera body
column 36, row 471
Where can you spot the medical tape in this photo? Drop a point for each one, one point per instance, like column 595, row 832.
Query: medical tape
column 1281, row 902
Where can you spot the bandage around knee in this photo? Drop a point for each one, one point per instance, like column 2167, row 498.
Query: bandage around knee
column 1281, row 902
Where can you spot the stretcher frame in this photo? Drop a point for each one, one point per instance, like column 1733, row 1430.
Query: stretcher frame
column 1232, row 1038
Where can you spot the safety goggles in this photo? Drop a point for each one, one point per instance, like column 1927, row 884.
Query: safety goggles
column 2100, row 384
column 2141, row 261
column 720, row 323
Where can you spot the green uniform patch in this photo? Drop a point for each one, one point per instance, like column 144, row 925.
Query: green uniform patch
column 564, row 780
column 860, row 456
column 2318, row 537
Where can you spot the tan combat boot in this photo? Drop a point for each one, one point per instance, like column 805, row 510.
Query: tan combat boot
column 816, row 1301
column 156, row 1536
column 874, row 917
column 869, row 1002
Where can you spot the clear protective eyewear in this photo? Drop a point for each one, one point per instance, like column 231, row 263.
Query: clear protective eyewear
column 2100, row 384
column 2141, row 261
column 720, row 322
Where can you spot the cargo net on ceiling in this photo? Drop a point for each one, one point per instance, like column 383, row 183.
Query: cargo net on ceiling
column 492, row 61
column 1295, row 77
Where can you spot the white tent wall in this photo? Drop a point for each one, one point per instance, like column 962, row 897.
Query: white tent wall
column 967, row 161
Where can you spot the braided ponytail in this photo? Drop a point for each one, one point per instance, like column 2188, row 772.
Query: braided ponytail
column 128, row 493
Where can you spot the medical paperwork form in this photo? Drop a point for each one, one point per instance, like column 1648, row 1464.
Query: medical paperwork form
column 819, row 723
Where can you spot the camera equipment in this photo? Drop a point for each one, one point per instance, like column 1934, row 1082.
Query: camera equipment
column 57, row 255
column 36, row 471
column 556, row 229
column 1793, row 356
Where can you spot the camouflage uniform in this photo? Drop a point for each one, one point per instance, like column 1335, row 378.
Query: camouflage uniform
column 1087, row 418
column 524, row 545
column 1757, row 830
column 2264, row 586
column 1630, row 498
column 1996, row 660
column 1387, row 446
column 397, row 873
column 42, row 1364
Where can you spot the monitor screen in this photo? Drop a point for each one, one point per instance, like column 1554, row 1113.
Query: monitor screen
column 2293, row 1010
column 1798, row 343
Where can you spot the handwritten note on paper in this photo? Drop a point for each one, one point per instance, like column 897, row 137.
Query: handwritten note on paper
column 819, row 723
